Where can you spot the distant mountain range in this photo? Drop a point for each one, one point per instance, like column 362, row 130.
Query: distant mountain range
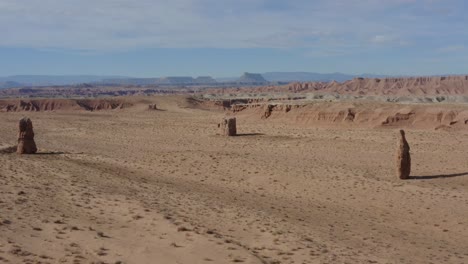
column 313, row 77
column 45, row 80
column 285, row 77
column 168, row 81
column 9, row 84
column 246, row 78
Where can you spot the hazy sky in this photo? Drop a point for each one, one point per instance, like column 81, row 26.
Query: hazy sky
column 227, row 37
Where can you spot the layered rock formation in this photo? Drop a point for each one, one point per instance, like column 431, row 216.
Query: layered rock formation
column 403, row 158
column 37, row 105
column 415, row 86
column 26, row 144
column 90, row 92
column 391, row 87
column 358, row 114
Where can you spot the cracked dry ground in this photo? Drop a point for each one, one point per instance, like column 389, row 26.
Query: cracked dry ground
column 161, row 187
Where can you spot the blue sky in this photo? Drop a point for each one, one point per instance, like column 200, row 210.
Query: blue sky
column 152, row 38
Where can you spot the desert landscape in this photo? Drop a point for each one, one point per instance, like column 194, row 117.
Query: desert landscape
column 310, row 177
column 227, row 131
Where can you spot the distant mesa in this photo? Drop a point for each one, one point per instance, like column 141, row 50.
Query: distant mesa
column 9, row 84
column 18, row 81
column 305, row 79
column 164, row 81
column 52, row 80
column 128, row 81
column 175, row 80
column 252, row 78
column 205, row 80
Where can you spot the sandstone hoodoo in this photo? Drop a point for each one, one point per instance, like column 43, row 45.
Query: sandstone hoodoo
column 403, row 157
column 152, row 107
column 228, row 127
column 26, row 144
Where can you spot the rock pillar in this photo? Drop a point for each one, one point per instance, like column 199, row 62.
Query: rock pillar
column 26, row 144
column 403, row 157
column 228, row 127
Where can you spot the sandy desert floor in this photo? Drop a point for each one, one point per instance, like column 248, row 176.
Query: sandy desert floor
column 137, row 186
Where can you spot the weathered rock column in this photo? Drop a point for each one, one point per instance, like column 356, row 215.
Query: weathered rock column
column 228, row 127
column 26, row 144
column 403, row 157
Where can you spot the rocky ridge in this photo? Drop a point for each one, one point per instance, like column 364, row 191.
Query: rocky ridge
column 38, row 105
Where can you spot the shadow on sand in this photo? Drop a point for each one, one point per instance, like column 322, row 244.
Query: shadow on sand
column 442, row 176
column 249, row 134
column 51, row 153
column 57, row 153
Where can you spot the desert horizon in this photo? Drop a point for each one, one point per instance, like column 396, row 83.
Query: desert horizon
column 248, row 131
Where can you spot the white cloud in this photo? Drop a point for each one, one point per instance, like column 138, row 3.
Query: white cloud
column 123, row 24
column 382, row 39
column 388, row 40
